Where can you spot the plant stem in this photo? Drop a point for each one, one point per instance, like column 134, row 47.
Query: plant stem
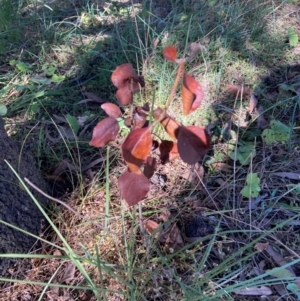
column 173, row 91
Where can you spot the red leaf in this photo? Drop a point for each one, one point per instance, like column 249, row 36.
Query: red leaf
column 139, row 118
column 133, row 187
column 170, row 53
column 121, row 74
column 193, row 143
column 111, row 110
column 151, row 226
column 124, row 94
column 136, row 148
column 150, row 167
column 170, row 124
column 168, row 151
column 192, row 94
column 106, row 130
column 127, row 82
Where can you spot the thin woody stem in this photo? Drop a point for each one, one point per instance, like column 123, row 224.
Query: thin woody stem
column 173, row 91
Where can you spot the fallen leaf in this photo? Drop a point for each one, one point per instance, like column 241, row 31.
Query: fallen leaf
column 238, row 90
column 106, row 130
column 289, row 175
column 136, row 148
column 220, row 166
column 133, row 187
column 252, row 103
column 170, row 53
column 194, row 49
column 172, row 239
column 254, row 291
column 66, row 132
column 261, row 121
column 193, row 143
column 62, row 167
column 111, row 110
column 93, row 97
column 192, row 94
column 151, row 226
column 68, row 274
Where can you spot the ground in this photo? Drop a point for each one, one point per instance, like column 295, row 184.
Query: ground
column 225, row 228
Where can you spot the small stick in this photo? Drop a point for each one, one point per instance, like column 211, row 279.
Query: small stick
column 173, row 91
column 51, row 198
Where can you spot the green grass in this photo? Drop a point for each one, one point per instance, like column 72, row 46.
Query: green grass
column 51, row 54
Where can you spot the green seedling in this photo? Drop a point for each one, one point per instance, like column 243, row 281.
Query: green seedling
column 278, row 132
column 73, row 122
column 293, row 37
column 252, row 189
column 243, row 152
column 3, row 109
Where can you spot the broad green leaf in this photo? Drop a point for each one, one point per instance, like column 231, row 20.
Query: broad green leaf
column 23, row 67
column 3, row 109
column 293, row 37
column 35, row 107
column 252, row 189
column 13, row 62
column 278, row 132
column 57, row 78
column 243, row 153
column 281, row 273
column 293, row 287
column 73, row 123
column 252, row 178
column 40, row 80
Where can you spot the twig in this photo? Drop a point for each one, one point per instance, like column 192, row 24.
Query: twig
column 173, row 91
column 51, row 198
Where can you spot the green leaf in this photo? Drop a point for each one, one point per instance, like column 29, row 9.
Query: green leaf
column 293, row 37
column 57, row 78
column 281, row 273
column 243, row 152
column 3, row 109
column 73, row 123
column 35, row 107
column 13, row 62
column 252, row 189
column 278, row 132
column 293, row 287
column 23, row 67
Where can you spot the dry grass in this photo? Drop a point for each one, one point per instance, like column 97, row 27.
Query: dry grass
column 123, row 261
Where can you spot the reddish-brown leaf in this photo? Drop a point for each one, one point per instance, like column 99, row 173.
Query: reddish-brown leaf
column 124, row 94
column 170, row 124
column 133, row 187
column 127, row 82
column 111, row 110
column 170, row 53
column 192, row 94
column 139, row 118
column 106, row 130
column 193, row 143
column 121, row 74
column 150, row 167
column 136, row 148
column 151, row 226
column 168, row 151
